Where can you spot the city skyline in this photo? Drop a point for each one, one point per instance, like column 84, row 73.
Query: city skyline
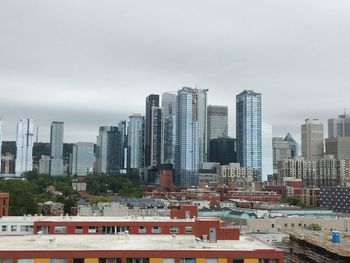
column 89, row 72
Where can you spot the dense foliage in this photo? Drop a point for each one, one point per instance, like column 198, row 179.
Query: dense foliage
column 293, row 201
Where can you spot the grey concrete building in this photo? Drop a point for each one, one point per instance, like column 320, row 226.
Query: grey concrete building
column 280, row 151
column 56, row 148
column 339, row 126
column 339, row 147
column 82, row 158
column 312, row 140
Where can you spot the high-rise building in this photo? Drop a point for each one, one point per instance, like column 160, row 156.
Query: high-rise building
column 1, row 135
column 280, row 150
column 200, row 100
column 107, row 154
column 157, row 136
column 217, row 123
column 169, row 128
column 187, row 138
column 293, row 145
column 223, row 150
column 123, row 150
column 24, row 144
column 267, row 156
column 56, row 148
column 44, row 164
column 82, row 158
column 248, row 130
column 339, row 126
column 151, row 101
column 312, row 140
column 339, row 147
column 136, row 133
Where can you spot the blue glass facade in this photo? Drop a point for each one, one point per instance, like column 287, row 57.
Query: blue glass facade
column 248, row 130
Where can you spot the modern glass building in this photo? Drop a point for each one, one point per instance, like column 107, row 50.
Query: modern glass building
column 217, row 123
column 248, row 130
column 157, row 138
column 107, row 154
column 82, row 158
column 169, row 128
column 123, row 149
column 24, row 144
column 339, row 127
column 293, row 145
column 56, row 148
column 187, row 138
column 223, row 150
column 136, row 129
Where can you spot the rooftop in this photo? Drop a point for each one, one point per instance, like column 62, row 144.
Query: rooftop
column 125, row 242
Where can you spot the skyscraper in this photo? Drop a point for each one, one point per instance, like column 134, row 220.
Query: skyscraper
column 123, row 150
column 187, row 153
column 266, row 149
column 157, row 136
column 223, row 150
column 339, row 127
column 151, row 101
column 293, row 145
column 169, row 127
column 280, row 151
column 217, row 123
column 312, row 140
column 248, row 130
column 56, row 148
column 107, row 154
column 82, row 158
column 200, row 100
column 136, row 130
column 24, row 144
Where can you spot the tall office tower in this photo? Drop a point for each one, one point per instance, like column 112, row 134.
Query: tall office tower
column 157, row 142
column 223, row 150
column 136, row 130
column 312, row 140
column 280, row 151
column 107, row 154
column 339, row 147
column 266, row 149
column 56, row 148
column 123, row 150
column 24, row 144
column 293, row 145
column 217, row 123
column 1, row 135
column 200, row 97
column 44, row 164
column 151, row 101
column 82, row 158
column 248, row 130
column 339, row 127
column 187, row 153
column 169, row 128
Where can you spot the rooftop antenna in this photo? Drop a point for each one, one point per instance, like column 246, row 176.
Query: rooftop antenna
column 37, row 134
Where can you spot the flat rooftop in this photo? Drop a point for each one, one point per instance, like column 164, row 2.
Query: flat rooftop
column 125, row 242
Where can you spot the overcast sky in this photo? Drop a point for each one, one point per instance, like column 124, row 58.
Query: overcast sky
column 91, row 63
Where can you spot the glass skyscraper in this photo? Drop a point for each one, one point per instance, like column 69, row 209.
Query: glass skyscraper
column 136, row 131
column 56, row 147
column 248, row 130
column 169, row 127
column 266, row 149
column 24, row 144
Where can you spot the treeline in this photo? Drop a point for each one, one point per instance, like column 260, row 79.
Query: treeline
column 26, row 194
column 39, row 148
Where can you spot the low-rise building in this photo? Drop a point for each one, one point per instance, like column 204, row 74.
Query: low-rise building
column 234, row 173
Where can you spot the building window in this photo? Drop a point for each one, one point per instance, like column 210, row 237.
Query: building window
column 92, row 229
column 285, row 225
column 137, row 260
column 188, row 229
column 58, row 260
column 174, row 230
column 156, row 230
column 168, row 260
column 26, row 228
column 212, row 260
column 188, row 260
column 5, row 260
column 60, row 229
column 110, row 260
column 3, row 228
column 13, row 228
column 292, row 224
column 25, row 260
column 238, row 261
column 78, row 229
column 142, row 230
column 273, row 225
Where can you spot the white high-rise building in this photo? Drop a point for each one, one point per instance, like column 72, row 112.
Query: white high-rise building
column 24, row 144
column 136, row 133
column 56, row 145
column 266, row 149
column 312, row 139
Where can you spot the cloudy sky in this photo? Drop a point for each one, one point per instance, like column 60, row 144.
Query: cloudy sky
column 91, row 63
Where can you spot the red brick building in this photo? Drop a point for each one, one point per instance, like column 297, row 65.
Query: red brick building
column 4, row 204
